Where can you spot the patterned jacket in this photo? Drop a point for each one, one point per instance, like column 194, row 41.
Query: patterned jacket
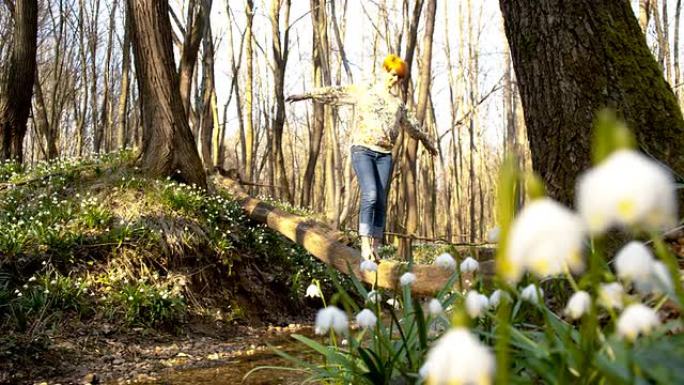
column 379, row 115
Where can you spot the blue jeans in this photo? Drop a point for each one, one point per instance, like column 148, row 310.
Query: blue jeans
column 373, row 173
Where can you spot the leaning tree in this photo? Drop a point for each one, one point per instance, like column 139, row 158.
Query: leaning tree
column 168, row 147
column 16, row 85
column 574, row 58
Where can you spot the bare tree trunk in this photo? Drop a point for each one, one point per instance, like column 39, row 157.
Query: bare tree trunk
column 235, row 65
column 125, row 84
column 472, row 93
column 47, row 144
column 93, row 40
column 249, row 94
column 106, row 109
column 18, row 81
column 280, row 56
column 677, row 74
column 408, row 161
column 665, row 45
column 644, row 14
column 318, row 17
column 168, row 147
column 198, row 20
column 208, row 105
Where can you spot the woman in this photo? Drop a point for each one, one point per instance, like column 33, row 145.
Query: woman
column 380, row 113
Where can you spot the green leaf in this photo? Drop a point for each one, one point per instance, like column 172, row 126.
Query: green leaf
column 662, row 360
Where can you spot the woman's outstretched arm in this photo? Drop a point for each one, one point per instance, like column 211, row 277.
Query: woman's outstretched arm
column 412, row 126
column 336, row 95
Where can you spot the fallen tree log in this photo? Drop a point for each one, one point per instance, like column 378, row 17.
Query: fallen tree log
column 323, row 244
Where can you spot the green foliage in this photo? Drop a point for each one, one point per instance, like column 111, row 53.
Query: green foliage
column 146, row 304
column 63, row 221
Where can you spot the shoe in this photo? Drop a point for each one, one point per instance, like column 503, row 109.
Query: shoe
column 367, row 249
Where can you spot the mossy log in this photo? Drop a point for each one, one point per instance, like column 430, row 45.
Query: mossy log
column 323, row 243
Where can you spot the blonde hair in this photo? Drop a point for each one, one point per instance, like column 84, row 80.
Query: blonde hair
column 394, row 62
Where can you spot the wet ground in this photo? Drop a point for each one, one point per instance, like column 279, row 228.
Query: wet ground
column 140, row 357
column 239, row 367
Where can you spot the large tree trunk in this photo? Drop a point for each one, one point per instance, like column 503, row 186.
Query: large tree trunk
column 569, row 66
column 168, row 148
column 15, row 98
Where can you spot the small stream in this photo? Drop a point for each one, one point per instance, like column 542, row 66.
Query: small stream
column 232, row 372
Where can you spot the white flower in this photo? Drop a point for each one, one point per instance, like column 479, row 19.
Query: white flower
column 393, row 303
column 331, row 317
column 578, row 305
column 435, row 307
column 313, row 291
column 32, row 279
column 407, row 279
column 458, row 358
column 634, row 262
column 368, row 265
column 610, row 295
column 495, row 299
column 660, row 277
column 469, row 265
column 374, row 296
column 424, row 370
column 530, row 293
column 545, row 238
column 636, row 319
column 627, row 189
column 445, row 261
column 476, row 304
column 493, row 234
column 366, row 319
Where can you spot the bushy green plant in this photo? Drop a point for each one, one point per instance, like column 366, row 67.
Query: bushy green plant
column 146, row 304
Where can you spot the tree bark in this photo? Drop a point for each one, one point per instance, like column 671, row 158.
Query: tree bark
column 677, row 75
column 168, row 148
column 280, row 56
column 249, row 94
column 594, row 58
column 318, row 17
column 410, row 149
column 207, row 121
column 93, row 40
column 15, row 100
column 198, row 20
column 122, row 125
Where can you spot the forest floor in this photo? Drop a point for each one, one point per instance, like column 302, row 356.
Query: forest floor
column 85, row 354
